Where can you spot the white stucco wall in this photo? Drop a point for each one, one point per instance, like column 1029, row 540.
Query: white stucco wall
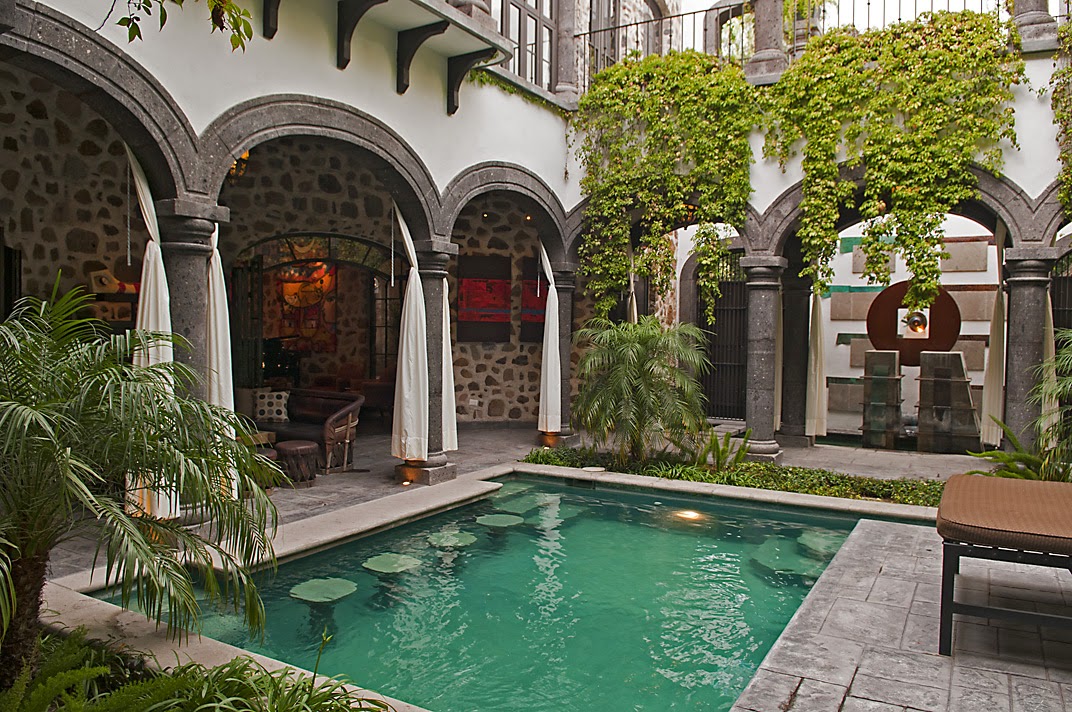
column 199, row 70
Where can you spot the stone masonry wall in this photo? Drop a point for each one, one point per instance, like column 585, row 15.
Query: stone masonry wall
column 300, row 184
column 496, row 381
column 64, row 198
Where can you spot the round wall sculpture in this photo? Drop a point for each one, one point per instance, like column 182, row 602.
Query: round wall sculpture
column 884, row 328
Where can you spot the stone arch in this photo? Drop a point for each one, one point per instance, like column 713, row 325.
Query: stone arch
column 1050, row 215
column 998, row 199
column 74, row 57
column 575, row 225
column 486, row 177
column 290, row 115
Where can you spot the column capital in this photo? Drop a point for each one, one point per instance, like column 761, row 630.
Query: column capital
column 433, row 257
column 764, row 271
column 565, row 280
column 1024, row 265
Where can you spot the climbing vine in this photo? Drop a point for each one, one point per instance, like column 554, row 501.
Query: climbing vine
column 915, row 105
column 1061, row 103
column 664, row 142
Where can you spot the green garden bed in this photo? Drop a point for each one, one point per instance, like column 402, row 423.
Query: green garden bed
column 760, row 475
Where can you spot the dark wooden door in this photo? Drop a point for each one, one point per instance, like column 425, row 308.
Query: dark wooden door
column 247, row 324
column 727, row 343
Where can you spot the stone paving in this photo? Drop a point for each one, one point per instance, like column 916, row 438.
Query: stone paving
column 866, row 637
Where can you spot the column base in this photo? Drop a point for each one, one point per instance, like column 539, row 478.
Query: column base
column 765, row 67
column 564, row 438
column 786, row 440
column 426, row 472
column 1038, row 31
column 764, row 451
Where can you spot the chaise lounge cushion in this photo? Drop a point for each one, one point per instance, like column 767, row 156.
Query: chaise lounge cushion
column 1013, row 514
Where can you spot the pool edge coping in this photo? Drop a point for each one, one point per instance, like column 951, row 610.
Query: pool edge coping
column 66, row 605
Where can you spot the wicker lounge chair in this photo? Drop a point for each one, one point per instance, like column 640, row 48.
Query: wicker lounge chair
column 1021, row 521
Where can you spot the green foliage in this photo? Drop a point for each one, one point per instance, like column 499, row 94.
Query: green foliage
column 915, row 105
column 561, row 456
column 762, row 475
column 227, row 16
column 1061, row 104
column 1018, row 463
column 75, row 414
column 638, row 384
column 71, row 672
column 664, row 141
column 706, row 448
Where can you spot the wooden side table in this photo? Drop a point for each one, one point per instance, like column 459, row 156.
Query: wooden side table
column 298, row 459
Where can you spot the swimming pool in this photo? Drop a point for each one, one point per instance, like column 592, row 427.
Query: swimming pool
column 560, row 597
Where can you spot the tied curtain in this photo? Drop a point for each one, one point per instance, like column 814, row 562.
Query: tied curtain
column 550, row 416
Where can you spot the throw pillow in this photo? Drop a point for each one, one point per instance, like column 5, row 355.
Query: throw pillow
column 272, row 407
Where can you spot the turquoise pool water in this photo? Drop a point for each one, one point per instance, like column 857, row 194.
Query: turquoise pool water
column 589, row 600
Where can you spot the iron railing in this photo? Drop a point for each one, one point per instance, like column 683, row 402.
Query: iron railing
column 726, row 29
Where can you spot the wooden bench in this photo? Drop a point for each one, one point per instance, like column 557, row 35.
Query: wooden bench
column 1020, row 521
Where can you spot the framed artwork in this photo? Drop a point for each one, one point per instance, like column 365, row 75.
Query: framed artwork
column 533, row 300
column 484, row 298
column 308, row 299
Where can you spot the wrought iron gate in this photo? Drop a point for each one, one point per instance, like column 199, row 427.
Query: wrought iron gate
column 727, row 343
column 1061, row 293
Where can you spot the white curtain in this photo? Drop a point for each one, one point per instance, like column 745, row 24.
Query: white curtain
column 220, row 385
column 154, row 314
column 778, row 343
column 994, row 376
column 816, row 405
column 450, row 411
column 218, row 341
column 409, row 434
column 550, row 419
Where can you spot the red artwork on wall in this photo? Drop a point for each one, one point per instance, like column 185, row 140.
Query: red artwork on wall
column 484, row 298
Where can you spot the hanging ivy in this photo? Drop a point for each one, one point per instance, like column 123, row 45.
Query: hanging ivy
column 664, row 142
column 1061, row 103
column 916, row 104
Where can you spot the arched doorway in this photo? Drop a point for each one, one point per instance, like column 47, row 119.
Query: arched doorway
column 316, row 310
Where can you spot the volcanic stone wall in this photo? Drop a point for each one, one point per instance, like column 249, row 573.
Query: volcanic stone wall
column 301, row 184
column 496, row 381
column 64, row 198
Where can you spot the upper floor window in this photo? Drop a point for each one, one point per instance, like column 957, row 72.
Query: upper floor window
column 530, row 25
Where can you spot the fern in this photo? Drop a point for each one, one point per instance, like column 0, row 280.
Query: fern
column 1019, row 463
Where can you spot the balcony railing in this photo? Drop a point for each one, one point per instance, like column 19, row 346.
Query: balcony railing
column 726, row 29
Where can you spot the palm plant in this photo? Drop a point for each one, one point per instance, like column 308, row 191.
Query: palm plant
column 76, row 421
column 638, row 384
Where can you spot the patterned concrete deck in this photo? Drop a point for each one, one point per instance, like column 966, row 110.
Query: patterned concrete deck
column 866, row 637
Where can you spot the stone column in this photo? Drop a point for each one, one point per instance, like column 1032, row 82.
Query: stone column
column 433, row 256
column 764, row 280
column 796, row 327
column 186, row 244
column 479, row 10
column 1027, row 276
column 1038, row 29
column 566, row 85
column 769, row 60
